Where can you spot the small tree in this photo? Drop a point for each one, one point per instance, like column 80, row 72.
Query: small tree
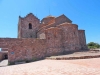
column 93, row 45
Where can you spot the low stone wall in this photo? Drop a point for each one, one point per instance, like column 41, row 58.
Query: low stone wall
column 30, row 49
column 26, row 50
column 4, row 49
column 70, row 58
column 0, row 56
column 98, row 49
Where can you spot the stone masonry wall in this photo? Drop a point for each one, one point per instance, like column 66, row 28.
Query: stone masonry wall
column 62, row 19
column 1, row 56
column 43, row 28
column 26, row 49
column 24, row 31
column 4, row 49
column 48, row 20
column 82, row 39
column 70, row 36
column 19, row 28
column 4, row 42
column 53, row 36
column 54, row 41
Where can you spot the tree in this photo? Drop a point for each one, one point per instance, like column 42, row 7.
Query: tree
column 93, row 45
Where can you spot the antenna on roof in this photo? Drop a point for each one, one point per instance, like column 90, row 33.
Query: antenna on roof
column 20, row 13
column 36, row 8
column 49, row 10
column 36, row 12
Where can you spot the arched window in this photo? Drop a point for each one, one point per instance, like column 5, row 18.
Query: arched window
column 30, row 26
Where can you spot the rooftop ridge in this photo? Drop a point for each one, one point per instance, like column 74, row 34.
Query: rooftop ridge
column 28, row 15
column 48, row 17
column 45, row 27
column 63, row 15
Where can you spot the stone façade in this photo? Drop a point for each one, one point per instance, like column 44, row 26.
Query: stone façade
column 39, row 39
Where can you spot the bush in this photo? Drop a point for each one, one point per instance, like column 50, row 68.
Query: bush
column 93, row 45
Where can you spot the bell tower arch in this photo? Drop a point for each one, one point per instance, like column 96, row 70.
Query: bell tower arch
column 28, row 26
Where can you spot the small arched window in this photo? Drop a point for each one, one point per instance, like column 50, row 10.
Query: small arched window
column 30, row 26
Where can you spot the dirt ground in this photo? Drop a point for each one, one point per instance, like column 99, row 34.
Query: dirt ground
column 55, row 67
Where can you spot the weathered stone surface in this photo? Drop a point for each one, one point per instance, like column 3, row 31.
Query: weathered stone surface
column 62, row 19
column 27, row 49
column 23, row 29
column 70, row 36
column 1, row 56
column 82, row 39
column 48, row 20
column 4, row 49
column 38, row 39
column 54, row 41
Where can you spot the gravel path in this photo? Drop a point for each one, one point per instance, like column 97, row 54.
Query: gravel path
column 55, row 67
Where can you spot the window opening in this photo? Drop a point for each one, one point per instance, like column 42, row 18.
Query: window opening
column 30, row 26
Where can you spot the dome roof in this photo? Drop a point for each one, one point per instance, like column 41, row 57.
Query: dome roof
column 50, row 16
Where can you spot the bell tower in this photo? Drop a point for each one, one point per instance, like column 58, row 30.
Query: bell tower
column 28, row 26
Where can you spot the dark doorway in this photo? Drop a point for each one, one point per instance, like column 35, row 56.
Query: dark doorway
column 6, row 56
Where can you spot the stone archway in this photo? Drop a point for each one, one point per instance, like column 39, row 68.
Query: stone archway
column 5, row 56
column 3, row 53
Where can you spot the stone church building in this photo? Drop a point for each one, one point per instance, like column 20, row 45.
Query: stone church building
column 39, row 39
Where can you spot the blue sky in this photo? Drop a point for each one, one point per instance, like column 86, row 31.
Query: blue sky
column 84, row 13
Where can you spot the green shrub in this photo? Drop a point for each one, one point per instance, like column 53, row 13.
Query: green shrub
column 93, row 45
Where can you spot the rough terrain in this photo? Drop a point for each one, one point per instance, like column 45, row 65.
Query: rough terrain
column 4, row 63
column 55, row 67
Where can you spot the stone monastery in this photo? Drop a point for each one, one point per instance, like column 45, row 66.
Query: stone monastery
column 39, row 39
